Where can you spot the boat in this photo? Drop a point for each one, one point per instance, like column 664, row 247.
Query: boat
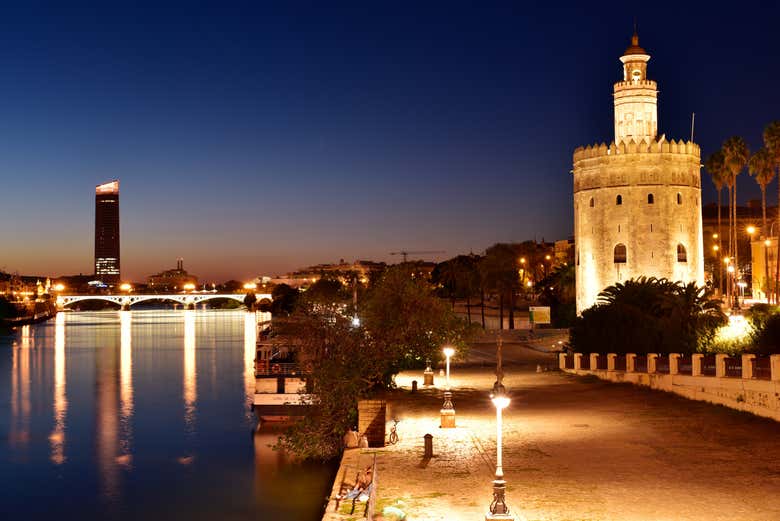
column 282, row 388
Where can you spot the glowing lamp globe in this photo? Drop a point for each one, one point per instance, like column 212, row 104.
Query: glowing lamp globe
column 448, row 352
column 500, row 401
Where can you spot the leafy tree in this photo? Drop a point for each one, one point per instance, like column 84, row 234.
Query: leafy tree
column 649, row 315
column 250, row 300
column 327, row 292
column 772, row 144
column 284, row 299
column 558, row 292
column 761, row 168
column 717, row 170
column 499, row 270
column 457, row 278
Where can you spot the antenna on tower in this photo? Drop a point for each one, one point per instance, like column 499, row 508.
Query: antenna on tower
column 693, row 122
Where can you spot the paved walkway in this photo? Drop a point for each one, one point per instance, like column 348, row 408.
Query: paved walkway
column 579, row 449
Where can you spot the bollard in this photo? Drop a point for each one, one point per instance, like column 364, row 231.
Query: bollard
column 414, row 386
column 428, row 446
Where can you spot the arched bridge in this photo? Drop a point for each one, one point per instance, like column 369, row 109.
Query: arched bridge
column 187, row 300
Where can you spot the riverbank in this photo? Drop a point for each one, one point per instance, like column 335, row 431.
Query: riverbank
column 577, row 448
column 29, row 313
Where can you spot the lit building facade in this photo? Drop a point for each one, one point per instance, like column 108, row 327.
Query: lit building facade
column 107, row 232
column 637, row 200
column 175, row 279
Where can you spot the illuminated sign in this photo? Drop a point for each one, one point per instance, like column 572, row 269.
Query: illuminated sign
column 107, row 188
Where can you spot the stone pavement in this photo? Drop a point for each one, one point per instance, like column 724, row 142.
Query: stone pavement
column 578, row 449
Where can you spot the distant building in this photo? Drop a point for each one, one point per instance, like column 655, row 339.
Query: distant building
column 107, row 232
column 564, row 251
column 172, row 280
column 342, row 271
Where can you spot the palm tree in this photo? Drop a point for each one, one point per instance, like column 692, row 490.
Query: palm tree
column 761, row 168
column 735, row 155
column 714, row 165
column 772, row 144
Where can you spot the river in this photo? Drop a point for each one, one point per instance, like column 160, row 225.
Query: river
column 142, row 415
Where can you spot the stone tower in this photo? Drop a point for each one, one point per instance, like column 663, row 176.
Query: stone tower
column 637, row 200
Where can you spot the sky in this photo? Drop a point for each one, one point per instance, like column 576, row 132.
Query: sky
column 255, row 138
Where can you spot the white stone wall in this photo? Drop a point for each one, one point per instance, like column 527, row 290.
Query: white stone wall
column 650, row 232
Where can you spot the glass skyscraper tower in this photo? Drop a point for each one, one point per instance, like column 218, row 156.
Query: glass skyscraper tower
column 107, row 232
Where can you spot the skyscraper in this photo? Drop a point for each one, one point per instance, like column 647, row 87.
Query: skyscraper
column 107, row 232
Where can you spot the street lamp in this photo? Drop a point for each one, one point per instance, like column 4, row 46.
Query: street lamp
column 447, row 413
column 498, row 508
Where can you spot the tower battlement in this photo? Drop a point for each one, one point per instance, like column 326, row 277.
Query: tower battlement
column 662, row 146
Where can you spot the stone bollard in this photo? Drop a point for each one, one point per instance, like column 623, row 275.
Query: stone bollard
column 747, row 366
column 674, row 363
column 428, row 378
column 428, row 446
column 594, row 361
column 561, row 361
column 577, row 361
column 774, row 364
column 696, row 364
column 414, row 386
column 630, row 357
column 611, row 361
column 651, row 358
column 720, row 365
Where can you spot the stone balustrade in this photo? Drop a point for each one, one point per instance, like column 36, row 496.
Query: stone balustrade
column 747, row 382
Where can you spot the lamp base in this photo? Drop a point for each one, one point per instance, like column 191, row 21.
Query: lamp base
column 447, row 418
column 500, row 517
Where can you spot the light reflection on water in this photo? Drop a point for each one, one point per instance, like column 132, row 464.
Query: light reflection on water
column 142, row 414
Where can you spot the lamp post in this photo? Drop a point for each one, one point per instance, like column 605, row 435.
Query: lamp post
column 498, row 508
column 447, row 413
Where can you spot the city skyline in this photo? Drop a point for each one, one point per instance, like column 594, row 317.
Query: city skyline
column 259, row 140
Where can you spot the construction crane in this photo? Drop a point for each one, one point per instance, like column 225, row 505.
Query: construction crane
column 406, row 254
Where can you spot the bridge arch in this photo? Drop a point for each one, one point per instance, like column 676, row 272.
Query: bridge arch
column 186, row 299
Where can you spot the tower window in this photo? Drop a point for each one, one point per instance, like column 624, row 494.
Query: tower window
column 620, row 254
column 619, row 200
column 592, row 202
column 578, row 257
column 679, row 198
column 650, row 199
column 682, row 255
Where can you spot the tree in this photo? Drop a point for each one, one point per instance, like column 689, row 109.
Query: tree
column 284, row 300
column 558, row 291
column 499, row 268
column 772, row 144
column 457, row 278
column 717, row 170
column 250, row 300
column 326, row 292
column 735, row 156
column 761, row 168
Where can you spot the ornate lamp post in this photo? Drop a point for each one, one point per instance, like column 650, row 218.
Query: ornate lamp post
column 447, row 412
column 498, row 509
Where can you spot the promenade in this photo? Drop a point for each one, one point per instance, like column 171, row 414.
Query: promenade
column 577, row 449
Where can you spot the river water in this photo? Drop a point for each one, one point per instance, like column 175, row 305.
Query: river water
column 142, row 415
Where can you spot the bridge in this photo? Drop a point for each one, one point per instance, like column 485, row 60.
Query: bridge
column 187, row 300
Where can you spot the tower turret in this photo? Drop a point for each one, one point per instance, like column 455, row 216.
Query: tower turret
column 636, row 98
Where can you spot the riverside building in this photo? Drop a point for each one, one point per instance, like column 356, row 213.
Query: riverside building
column 637, row 200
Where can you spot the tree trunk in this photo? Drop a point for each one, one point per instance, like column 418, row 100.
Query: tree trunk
column 720, row 246
column 736, row 245
column 729, row 253
column 500, row 310
column 766, row 253
column 468, row 307
column 777, row 254
column 482, row 306
column 511, row 309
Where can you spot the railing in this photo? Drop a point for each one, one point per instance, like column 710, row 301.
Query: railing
column 762, row 368
column 266, row 368
column 585, row 362
column 620, row 363
column 640, row 364
column 601, row 362
column 708, row 365
column 685, row 365
column 733, row 367
column 662, row 364
column 569, row 361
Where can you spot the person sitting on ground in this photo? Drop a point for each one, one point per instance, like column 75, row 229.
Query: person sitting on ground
column 362, row 483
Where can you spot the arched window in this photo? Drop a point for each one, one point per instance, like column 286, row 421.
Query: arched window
column 682, row 255
column 619, row 200
column 620, row 254
column 592, row 202
column 650, row 199
column 679, row 198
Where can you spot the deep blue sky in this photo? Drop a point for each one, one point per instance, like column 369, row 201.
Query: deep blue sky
column 256, row 138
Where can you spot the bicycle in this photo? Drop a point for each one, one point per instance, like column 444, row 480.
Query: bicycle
column 393, row 437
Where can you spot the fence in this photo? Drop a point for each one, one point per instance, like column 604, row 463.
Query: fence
column 750, row 383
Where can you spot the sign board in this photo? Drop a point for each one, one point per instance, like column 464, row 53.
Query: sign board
column 539, row 314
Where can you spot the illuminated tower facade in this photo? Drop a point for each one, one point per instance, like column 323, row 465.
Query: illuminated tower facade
column 107, row 232
column 637, row 200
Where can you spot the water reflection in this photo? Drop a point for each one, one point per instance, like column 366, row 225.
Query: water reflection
column 107, row 414
column 250, row 339
column 57, row 436
column 190, row 377
column 126, row 383
column 20, row 389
